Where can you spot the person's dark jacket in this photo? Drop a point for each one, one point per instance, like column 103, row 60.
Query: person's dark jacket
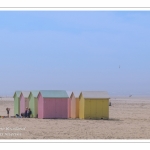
column 29, row 113
column 25, row 114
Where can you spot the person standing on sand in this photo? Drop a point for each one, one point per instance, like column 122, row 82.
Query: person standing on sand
column 8, row 109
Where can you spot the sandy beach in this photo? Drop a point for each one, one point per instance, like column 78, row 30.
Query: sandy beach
column 129, row 118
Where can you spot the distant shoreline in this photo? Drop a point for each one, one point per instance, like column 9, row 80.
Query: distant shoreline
column 6, row 99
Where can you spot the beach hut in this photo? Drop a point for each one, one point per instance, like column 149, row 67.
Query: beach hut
column 33, row 103
column 17, row 102
column 69, row 94
column 24, row 101
column 74, row 99
column 53, row 104
column 94, row 105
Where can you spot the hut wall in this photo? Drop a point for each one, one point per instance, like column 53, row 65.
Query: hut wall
column 22, row 104
column 56, row 108
column 40, row 106
column 16, row 105
column 73, row 106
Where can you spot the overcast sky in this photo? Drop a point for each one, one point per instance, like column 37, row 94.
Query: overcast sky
column 75, row 50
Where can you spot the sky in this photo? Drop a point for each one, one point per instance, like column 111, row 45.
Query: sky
column 75, row 51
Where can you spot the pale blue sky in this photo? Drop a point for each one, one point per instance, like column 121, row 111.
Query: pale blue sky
column 75, row 50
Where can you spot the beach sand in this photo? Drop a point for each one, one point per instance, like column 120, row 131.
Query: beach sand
column 129, row 118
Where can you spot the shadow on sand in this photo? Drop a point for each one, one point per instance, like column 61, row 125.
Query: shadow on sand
column 114, row 119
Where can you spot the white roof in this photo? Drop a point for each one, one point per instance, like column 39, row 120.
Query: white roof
column 25, row 93
column 95, row 94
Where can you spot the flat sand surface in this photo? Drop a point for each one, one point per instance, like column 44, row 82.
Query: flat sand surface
column 129, row 118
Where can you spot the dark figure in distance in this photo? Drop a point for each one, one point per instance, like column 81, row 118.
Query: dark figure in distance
column 8, row 109
column 26, row 113
column 29, row 113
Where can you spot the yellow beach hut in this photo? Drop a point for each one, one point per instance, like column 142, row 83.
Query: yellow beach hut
column 94, row 105
column 74, row 100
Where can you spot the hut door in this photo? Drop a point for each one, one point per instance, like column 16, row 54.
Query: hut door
column 87, row 109
column 58, row 108
column 99, row 113
column 93, row 109
column 26, row 103
column 104, row 109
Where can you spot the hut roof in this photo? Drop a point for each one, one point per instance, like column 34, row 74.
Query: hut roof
column 69, row 93
column 34, row 93
column 76, row 94
column 25, row 93
column 18, row 93
column 95, row 94
column 54, row 94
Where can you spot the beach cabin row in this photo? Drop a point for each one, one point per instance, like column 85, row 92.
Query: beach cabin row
column 43, row 104
column 60, row 104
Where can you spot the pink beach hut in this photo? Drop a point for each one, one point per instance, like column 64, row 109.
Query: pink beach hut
column 74, row 104
column 53, row 104
column 24, row 101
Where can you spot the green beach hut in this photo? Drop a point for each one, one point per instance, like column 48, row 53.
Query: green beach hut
column 17, row 102
column 33, row 103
